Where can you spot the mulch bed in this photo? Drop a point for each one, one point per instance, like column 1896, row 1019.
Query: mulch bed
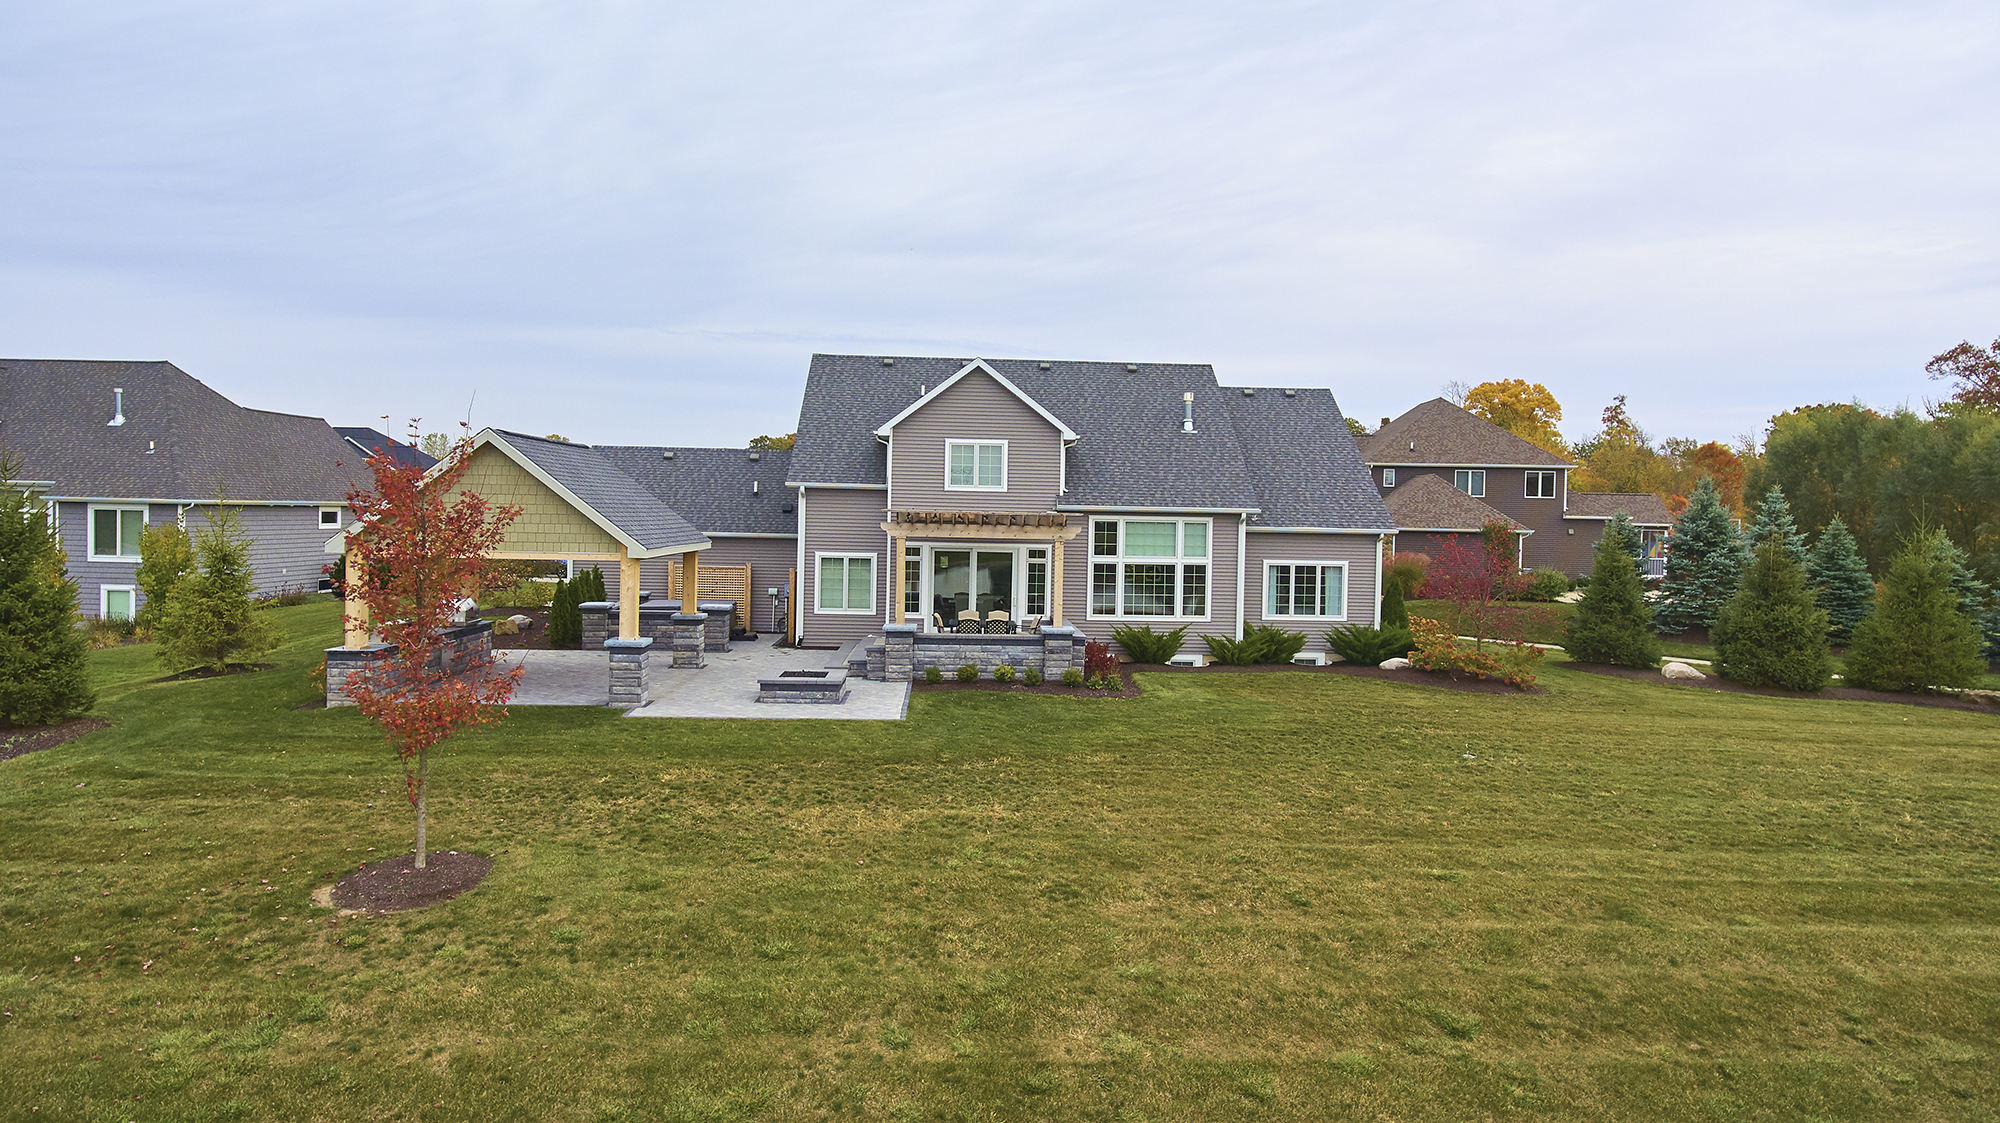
column 396, row 884
column 1127, row 688
column 210, row 672
column 533, row 638
column 1442, row 680
column 1842, row 693
column 20, row 740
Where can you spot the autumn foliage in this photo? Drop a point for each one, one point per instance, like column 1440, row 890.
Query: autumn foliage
column 419, row 549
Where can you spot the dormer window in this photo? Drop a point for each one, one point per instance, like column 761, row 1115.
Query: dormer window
column 975, row 465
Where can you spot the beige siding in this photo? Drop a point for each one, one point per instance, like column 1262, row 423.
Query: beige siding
column 975, row 409
column 548, row 523
column 1359, row 551
column 841, row 521
column 1222, row 575
column 770, row 561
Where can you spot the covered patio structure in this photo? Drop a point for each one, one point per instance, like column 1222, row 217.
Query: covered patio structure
column 977, row 571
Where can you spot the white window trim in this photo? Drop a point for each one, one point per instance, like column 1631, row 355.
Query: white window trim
column 104, row 600
column 90, row 530
column 1388, row 477
column 1470, row 475
column 1533, row 474
column 875, row 578
column 950, row 444
column 1092, row 559
column 1264, row 589
column 335, row 512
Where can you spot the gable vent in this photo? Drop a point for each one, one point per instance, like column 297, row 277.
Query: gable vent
column 117, row 406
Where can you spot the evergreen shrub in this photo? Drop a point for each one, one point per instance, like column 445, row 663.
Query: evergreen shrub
column 1147, row 646
column 166, row 554
column 1546, row 584
column 1917, row 640
column 207, row 621
column 1032, row 676
column 933, row 675
column 1613, row 624
column 1368, row 647
column 44, row 667
column 1003, row 673
column 1261, row 643
column 968, row 673
column 1073, row 678
column 1771, row 633
column 1840, row 581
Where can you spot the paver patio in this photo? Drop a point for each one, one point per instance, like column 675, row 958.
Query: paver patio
column 725, row 688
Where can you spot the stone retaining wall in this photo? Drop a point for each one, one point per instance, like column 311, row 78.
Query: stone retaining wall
column 907, row 653
column 656, row 621
column 461, row 643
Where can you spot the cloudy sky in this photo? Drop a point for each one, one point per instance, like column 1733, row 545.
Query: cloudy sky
column 634, row 223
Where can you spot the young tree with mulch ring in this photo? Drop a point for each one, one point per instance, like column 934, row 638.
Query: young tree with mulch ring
column 1479, row 581
column 425, row 546
column 166, row 554
column 1917, row 640
column 1771, row 633
column 1613, row 623
column 207, row 620
column 1704, row 563
column 1840, row 581
column 44, row 668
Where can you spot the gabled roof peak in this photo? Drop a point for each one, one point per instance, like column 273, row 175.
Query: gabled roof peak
column 980, row 366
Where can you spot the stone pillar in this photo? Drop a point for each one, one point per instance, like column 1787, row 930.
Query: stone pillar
column 629, row 681
column 899, row 652
column 628, row 597
column 1059, row 651
column 720, row 615
column 690, row 633
column 596, row 622
column 342, row 663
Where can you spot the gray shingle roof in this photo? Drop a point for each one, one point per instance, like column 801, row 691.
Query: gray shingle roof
column 1429, row 503
column 1445, row 434
column 610, row 492
column 1303, row 462
column 711, row 487
column 1646, row 508
column 1130, row 452
column 370, row 441
column 54, row 414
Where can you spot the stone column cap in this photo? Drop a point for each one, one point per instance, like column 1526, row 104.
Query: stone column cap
column 900, row 629
column 598, row 605
column 690, row 617
column 1058, row 630
column 639, row 644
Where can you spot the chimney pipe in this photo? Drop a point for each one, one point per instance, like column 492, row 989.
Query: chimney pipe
column 1385, row 422
column 118, row 406
column 1187, row 401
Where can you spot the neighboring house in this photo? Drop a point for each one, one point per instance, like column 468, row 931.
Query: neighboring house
column 928, row 489
column 1436, row 446
column 368, row 442
column 118, row 446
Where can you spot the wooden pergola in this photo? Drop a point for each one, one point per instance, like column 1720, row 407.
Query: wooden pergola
column 1049, row 527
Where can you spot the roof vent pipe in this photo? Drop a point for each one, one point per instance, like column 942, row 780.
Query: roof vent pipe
column 118, row 406
column 753, row 487
column 1187, row 403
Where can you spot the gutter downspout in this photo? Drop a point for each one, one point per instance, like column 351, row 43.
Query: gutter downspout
column 1242, row 561
column 799, row 610
column 1381, row 544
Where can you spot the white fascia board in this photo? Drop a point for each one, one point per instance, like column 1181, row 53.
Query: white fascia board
column 1449, row 530
column 1068, row 434
column 211, row 501
column 1322, row 530
column 679, row 548
column 712, row 535
column 1465, row 465
column 838, row 487
column 1162, row 510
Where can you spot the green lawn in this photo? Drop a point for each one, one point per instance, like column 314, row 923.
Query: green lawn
column 1241, row 896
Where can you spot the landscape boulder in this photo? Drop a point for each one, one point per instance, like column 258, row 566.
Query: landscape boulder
column 1682, row 670
column 1397, row 664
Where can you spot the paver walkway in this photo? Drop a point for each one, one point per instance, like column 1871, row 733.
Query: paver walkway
column 727, row 687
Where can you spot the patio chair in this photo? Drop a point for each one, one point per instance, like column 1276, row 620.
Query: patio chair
column 970, row 623
column 998, row 623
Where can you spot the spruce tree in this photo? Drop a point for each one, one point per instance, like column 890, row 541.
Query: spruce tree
column 1394, row 613
column 1975, row 598
column 44, row 668
column 1774, row 520
column 1840, row 581
column 166, row 554
column 208, row 621
column 1622, row 530
column 1613, row 623
column 1917, row 640
column 1704, row 563
column 1771, row 633
column 565, row 618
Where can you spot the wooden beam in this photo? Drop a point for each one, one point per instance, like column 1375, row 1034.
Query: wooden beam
column 896, row 552
column 1056, row 581
column 628, row 597
column 356, row 609
column 691, row 582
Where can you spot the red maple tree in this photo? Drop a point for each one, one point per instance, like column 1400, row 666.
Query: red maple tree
column 1479, row 576
column 417, row 551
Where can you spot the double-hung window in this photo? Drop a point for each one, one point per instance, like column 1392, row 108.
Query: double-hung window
column 115, row 602
column 1306, row 589
column 1541, row 485
column 846, row 583
column 1149, row 567
column 1388, row 477
column 114, row 532
column 975, row 465
column 1471, row 481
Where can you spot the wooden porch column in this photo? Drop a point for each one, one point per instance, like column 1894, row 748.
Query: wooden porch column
column 628, row 596
column 1055, row 582
column 896, row 551
column 691, row 582
column 355, row 608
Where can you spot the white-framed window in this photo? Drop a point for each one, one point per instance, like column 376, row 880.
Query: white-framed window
column 913, row 582
column 116, row 602
column 329, row 518
column 114, row 532
column 1541, row 485
column 1471, row 481
column 975, row 465
column 1149, row 567
column 1311, row 590
column 845, row 583
column 1037, row 600
column 1388, row 477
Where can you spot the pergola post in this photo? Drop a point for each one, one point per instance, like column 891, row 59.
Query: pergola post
column 628, row 596
column 356, row 609
column 690, row 583
column 1056, row 582
column 900, row 579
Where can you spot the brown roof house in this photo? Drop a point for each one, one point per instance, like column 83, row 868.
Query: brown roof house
column 1444, row 472
column 119, row 446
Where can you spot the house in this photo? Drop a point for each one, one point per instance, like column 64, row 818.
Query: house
column 1005, row 494
column 118, row 446
column 1443, row 472
column 367, row 442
